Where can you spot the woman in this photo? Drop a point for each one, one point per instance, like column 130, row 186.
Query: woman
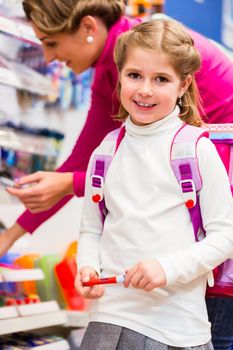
column 82, row 34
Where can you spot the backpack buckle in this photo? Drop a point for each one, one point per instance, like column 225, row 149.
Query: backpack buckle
column 189, row 192
column 97, row 184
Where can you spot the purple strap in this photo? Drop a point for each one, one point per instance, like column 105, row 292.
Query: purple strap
column 195, row 213
column 187, row 169
column 101, row 164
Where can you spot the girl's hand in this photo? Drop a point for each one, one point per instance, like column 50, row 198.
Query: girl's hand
column 147, row 275
column 45, row 190
column 84, row 275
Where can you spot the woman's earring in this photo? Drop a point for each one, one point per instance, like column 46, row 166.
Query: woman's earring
column 89, row 39
column 179, row 102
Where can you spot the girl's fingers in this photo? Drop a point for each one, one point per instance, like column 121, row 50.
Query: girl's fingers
column 129, row 275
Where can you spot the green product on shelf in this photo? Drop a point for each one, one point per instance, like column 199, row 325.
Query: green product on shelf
column 48, row 288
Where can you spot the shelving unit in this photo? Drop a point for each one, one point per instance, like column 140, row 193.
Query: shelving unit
column 38, row 316
column 18, row 318
column 20, row 275
column 28, row 317
column 25, row 323
column 20, row 77
column 19, row 29
column 16, row 74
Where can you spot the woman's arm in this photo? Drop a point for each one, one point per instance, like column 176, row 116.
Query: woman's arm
column 98, row 124
column 9, row 236
column 47, row 188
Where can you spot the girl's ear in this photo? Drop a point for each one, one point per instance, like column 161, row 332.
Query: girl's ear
column 185, row 84
column 88, row 25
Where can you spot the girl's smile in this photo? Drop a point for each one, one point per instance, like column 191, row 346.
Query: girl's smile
column 150, row 86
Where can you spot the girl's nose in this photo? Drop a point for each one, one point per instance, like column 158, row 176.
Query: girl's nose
column 145, row 90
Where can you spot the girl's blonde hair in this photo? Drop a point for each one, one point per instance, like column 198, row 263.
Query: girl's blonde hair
column 57, row 16
column 170, row 38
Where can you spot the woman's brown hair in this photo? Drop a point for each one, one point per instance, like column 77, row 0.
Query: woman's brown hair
column 57, row 16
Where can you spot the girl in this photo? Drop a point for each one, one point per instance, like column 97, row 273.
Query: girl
column 147, row 234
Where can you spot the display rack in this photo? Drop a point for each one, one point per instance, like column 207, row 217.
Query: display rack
column 20, row 275
column 25, row 323
column 19, row 29
column 21, row 77
column 16, row 74
column 20, row 141
column 19, row 318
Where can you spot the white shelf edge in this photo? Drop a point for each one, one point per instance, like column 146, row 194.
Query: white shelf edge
column 20, row 324
column 8, row 312
column 21, row 275
column 38, row 308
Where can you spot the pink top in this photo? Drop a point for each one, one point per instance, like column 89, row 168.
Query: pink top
column 215, row 83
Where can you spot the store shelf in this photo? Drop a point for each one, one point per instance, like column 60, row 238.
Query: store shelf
column 20, row 275
column 26, row 323
column 24, row 78
column 58, row 345
column 8, row 312
column 76, row 318
column 19, row 29
column 19, row 141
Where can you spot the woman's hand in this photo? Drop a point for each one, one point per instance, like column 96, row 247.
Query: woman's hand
column 84, row 275
column 45, row 189
column 147, row 275
column 9, row 236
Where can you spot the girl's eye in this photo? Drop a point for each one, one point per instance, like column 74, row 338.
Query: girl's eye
column 161, row 79
column 134, row 75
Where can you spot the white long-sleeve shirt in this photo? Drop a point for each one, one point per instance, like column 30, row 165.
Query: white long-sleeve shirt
column 147, row 219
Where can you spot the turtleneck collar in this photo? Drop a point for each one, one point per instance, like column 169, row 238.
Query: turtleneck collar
column 169, row 122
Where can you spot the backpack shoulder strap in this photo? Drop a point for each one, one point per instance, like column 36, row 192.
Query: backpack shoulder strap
column 184, row 163
column 101, row 161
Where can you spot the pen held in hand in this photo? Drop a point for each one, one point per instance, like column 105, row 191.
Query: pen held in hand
column 105, row 280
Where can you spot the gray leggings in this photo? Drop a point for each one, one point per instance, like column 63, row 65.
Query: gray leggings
column 104, row 336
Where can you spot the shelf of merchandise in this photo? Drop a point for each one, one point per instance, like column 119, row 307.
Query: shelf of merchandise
column 20, row 275
column 27, row 323
column 15, row 74
column 20, row 141
column 19, row 29
column 24, row 78
column 17, row 318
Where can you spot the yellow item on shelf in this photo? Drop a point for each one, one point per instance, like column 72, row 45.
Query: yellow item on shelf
column 140, row 8
column 27, row 262
column 72, row 249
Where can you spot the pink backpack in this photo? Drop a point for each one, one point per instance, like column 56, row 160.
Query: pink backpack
column 185, row 166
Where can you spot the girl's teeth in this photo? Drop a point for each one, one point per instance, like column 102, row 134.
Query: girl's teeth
column 141, row 104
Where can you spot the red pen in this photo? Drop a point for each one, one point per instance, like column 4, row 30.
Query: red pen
column 105, row 280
